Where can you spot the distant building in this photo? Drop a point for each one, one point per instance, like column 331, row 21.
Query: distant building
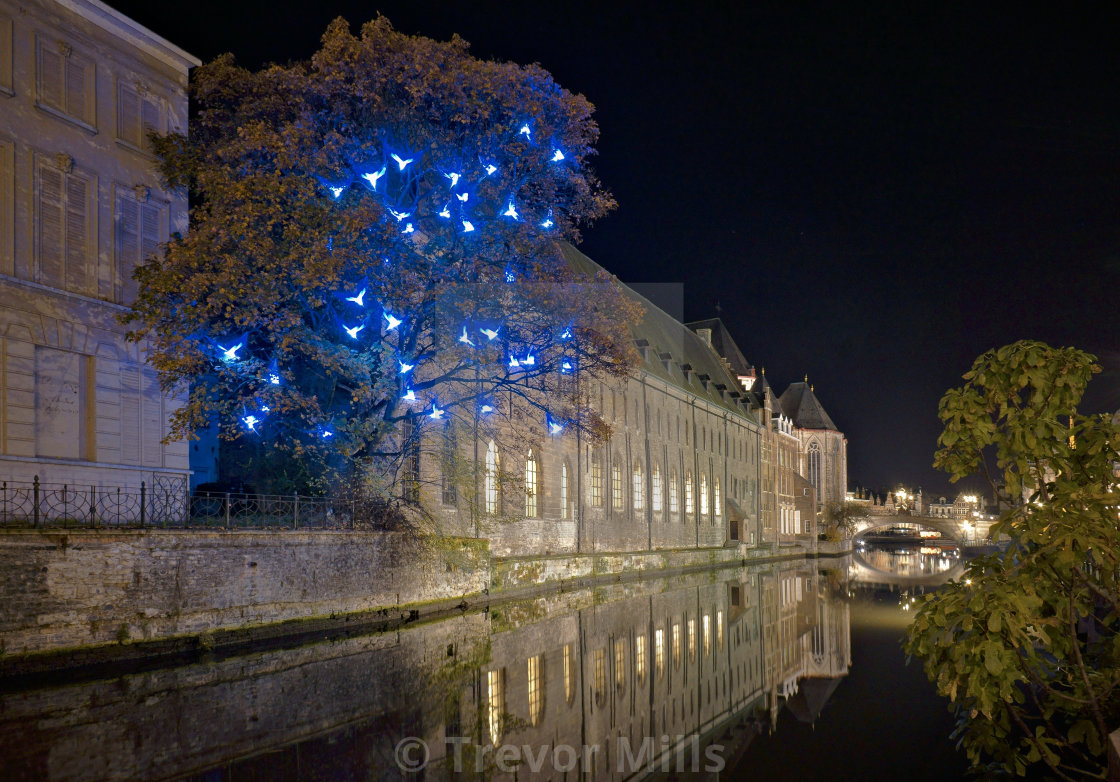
column 824, row 449
column 80, row 206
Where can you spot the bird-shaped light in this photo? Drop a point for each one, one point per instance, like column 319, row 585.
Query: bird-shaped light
column 529, row 360
column 372, row 178
column 554, row 427
column 408, row 228
column 353, row 331
column 467, row 226
column 511, row 211
column 437, row 411
column 557, row 156
column 230, row 354
column 445, row 212
column 490, row 169
column 409, row 396
column 525, row 131
column 463, row 196
column 266, row 409
column 327, row 433
column 566, row 367
column 509, row 274
column 464, row 338
column 566, row 333
column 405, row 368
column 513, row 362
column 453, row 177
column 337, row 191
column 399, row 215
column 391, row 322
column 401, row 163
column 490, row 334
column 486, row 409
column 547, row 222
column 251, row 421
column 359, row 299
column 274, row 379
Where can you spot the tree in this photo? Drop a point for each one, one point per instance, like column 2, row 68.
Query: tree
column 376, row 249
column 1026, row 644
column 840, row 518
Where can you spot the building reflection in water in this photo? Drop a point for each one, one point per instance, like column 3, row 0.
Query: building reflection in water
column 583, row 668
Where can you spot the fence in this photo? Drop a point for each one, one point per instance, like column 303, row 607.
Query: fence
column 167, row 503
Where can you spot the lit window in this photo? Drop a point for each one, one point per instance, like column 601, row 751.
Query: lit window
column 718, row 501
column 569, row 673
column 638, row 498
column 640, row 658
column 495, row 704
column 674, row 500
column 706, row 629
column 692, row 640
column 703, row 494
column 719, row 629
column 676, row 645
column 659, row 652
column 688, row 507
column 490, row 479
column 616, row 486
column 564, row 490
column 536, row 694
column 656, row 489
column 596, row 481
column 531, row 507
column 815, row 466
column 600, row 675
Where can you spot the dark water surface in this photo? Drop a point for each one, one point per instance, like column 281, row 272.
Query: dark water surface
column 789, row 671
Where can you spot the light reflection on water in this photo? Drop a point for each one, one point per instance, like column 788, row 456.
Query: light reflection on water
column 664, row 670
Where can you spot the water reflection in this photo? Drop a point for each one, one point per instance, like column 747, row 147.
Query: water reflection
column 588, row 671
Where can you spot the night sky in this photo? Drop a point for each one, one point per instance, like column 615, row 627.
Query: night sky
column 873, row 196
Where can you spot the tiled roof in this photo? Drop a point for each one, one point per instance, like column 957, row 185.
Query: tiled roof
column 801, row 405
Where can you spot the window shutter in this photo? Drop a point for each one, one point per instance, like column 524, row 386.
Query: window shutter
column 130, row 415
column 51, row 76
column 128, row 115
column 152, row 119
column 77, row 235
column 79, row 96
column 51, row 221
column 127, row 243
column 153, row 235
column 152, row 423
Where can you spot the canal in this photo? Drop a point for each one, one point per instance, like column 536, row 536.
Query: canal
column 788, row 671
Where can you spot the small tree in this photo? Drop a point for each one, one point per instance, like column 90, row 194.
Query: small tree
column 1026, row 645
column 376, row 250
column 840, row 519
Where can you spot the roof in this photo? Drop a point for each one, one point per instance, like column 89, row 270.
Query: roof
column 765, row 390
column 141, row 37
column 723, row 344
column 673, row 352
column 801, row 405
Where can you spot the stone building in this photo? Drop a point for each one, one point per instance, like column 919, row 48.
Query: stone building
column 80, row 207
column 823, row 449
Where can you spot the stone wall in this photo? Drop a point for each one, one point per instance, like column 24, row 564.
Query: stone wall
column 62, row 589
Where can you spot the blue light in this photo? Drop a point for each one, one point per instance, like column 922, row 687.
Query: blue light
column 510, row 276
column 399, row 215
column 566, row 333
column 566, row 367
column 467, row 226
column 490, row 334
column 490, row 169
column 336, row 191
column 486, row 409
column 529, row 360
column 401, row 163
column 274, row 379
column 554, row 427
column 372, row 178
column 557, row 156
column 251, row 421
column 327, row 433
column 266, row 409
column 409, row 396
column 453, row 177
column 525, row 131
column 353, row 332
column 408, row 229
column 405, row 368
column 359, row 299
column 230, row 354
column 465, row 339
column 437, row 411
column 445, row 212
column 547, row 223
column 514, row 363
column 511, row 211
column 392, row 322
column 463, row 197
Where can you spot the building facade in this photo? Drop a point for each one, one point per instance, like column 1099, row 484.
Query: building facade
column 80, row 206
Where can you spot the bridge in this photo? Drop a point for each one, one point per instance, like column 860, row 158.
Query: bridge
column 960, row 530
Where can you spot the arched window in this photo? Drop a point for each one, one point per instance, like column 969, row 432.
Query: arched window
column 531, row 486
column 659, row 652
column 638, row 494
column 674, row 500
column 564, row 490
column 703, row 494
column 495, row 703
column 640, row 658
column 536, row 690
column 717, row 506
column 596, row 482
column 620, row 666
column 688, row 505
column 815, row 467
column 616, row 486
column 490, row 479
column 655, row 489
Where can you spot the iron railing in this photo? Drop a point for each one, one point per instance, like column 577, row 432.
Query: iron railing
column 167, row 503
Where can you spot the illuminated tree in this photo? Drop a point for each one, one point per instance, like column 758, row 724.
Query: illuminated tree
column 1026, row 645
column 376, row 248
